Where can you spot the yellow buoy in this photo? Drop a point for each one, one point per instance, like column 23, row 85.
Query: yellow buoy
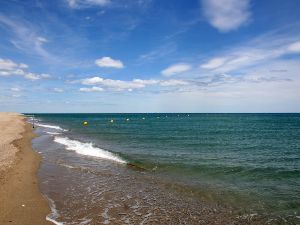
column 85, row 123
column 111, row 121
column 127, row 119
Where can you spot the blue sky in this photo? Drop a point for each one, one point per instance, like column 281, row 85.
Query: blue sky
column 150, row 56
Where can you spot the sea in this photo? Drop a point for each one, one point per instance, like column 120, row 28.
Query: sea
column 169, row 168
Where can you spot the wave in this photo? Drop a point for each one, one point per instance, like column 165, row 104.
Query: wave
column 50, row 126
column 54, row 213
column 87, row 149
column 53, row 133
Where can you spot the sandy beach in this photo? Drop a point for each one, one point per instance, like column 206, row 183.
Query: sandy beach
column 20, row 199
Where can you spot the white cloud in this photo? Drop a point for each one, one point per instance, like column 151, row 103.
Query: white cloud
column 214, row 63
column 58, row 90
column 7, row 64
column 15, row 89
column 146, row 82
column 172, row 82
column 216, row 72
column 45, row 76
column 4, row 73
column 72, row 3
column 92, row 81
column 77, row 4
column 159, row 52
column 23, row 66
column 294, row 47
column 165, row 83
column 26, row 38
column 226, row 15
column 92, row 89
column 109, row 62
column 176, row 69
column 32, row 76
column 120, row 85
column 251, row 54
column 113, row 84
column 10, row 68
column 98, row 2
column 41, row 40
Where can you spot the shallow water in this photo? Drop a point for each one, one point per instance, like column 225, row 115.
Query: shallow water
column 238, row 168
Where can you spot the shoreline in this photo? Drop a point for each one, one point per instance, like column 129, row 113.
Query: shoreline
column 20, row 196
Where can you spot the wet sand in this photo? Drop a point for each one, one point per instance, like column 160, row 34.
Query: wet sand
column 21, row 201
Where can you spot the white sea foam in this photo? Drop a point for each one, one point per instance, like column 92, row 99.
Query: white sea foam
column 87, row 149
column 53, row 133
column 54, row 213
column 86, row 221
column 54, row 221
column 50, row 126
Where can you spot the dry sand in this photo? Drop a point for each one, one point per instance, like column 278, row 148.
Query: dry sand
column 21, row 202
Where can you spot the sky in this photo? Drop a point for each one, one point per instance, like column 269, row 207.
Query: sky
column 98, row 56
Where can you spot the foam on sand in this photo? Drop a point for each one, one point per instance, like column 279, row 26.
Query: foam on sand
column 87, row 149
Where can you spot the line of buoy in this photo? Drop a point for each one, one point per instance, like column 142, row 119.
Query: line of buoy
column 85, row 123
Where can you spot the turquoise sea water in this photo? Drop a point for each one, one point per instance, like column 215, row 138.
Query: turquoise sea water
column 247, row 159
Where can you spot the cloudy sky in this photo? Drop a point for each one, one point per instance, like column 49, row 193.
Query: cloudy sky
column 150, row 56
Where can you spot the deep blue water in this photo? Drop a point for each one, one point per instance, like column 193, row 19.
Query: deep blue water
column 251, row 158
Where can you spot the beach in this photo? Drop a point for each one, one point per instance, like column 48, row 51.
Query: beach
column 20, row 197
